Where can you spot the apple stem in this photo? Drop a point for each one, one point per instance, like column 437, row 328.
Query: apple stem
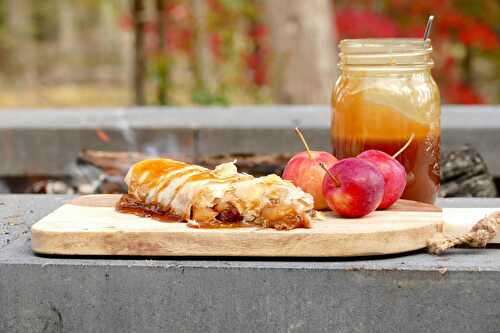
column 335, row 180
column 405, row 146
column 301, row 136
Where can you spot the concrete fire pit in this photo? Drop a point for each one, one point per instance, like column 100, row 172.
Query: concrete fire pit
column 47, row 142
column 413, row 292
column 416, row 292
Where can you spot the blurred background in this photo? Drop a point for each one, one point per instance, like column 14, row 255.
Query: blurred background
column 227, row 52
column 71, row 70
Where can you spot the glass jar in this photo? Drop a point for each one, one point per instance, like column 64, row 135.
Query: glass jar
column 385, row 94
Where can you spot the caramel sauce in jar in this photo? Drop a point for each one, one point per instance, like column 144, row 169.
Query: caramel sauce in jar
column 386, row 93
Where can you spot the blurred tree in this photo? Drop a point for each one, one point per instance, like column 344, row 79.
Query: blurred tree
column 139, row 16
column 203, row 62
column 20, row 29
column 207, row 52
column 304, row 49
column 67, row 26
column 162, row 68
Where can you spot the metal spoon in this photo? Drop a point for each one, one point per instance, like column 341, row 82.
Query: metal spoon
column 428, row 27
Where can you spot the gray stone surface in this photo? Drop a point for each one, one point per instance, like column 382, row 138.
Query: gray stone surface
column 468, row 202
column 45, row 151
column 414, row 292
column 47, row 141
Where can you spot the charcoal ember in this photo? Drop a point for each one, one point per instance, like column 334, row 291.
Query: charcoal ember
column 86, row 189
column 4, row 188
column 89, row 179
column 103, row 171
column 85, row 178
column 51, row 187
column 110, row 184
column 105, row 184
column 464, row 173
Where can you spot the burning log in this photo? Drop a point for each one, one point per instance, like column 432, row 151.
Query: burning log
column 103, row 172
column 4, row 188
column 117, row 163
column 256, row 165
column 110, row 162
column 51, row 187
column 464, row 173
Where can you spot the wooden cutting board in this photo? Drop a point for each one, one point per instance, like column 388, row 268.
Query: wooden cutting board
column 89, row 225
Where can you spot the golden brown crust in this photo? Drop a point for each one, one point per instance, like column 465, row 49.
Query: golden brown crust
column 222, row 197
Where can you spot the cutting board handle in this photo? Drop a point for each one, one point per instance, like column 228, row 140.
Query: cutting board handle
column 478, row 237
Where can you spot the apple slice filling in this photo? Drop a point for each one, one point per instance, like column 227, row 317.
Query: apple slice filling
column 168, row 190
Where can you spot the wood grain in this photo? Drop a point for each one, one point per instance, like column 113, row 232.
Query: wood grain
column 89, row 225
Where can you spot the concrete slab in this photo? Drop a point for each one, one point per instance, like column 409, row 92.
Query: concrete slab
column 260, row 141
column 275, row 116
column 468, row 202
column 46, row 141
column 413, row 292
column 54, row 152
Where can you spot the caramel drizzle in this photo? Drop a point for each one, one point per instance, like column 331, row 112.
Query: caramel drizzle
column 166, row 171
column 207, row 175
column 156, row 168
column 168, row 180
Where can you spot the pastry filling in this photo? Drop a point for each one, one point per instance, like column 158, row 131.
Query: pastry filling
column 220, row 216
column 128, row 204
column 172, row 191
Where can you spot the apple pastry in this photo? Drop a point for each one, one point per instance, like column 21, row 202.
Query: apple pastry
column 170, row 190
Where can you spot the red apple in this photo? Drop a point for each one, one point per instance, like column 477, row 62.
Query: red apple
column 394, row 175
column 305, row 172
column 353, row 187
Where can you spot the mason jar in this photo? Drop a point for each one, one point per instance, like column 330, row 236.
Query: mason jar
column 384, row 97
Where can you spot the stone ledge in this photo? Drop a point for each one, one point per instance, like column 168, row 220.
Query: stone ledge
column 249, row 117
column 47, row 141
column 415, row 292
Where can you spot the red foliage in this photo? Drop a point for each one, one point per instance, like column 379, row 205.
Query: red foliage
column 256, row 59
column 216, row 6
column 178, row 12
column 256, row 62
column 215, row 45
column 258, row 32
column 448, row 66
column 414, row 32
column 451, row 20
column 479, row 35
column 356, row 23
column 126, row 21
column 179, row 38
column 458, row 93
column 150, row 27
column 405, row 18
column 360, row 19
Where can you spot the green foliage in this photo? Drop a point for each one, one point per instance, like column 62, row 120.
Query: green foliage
column 204, row 97
column 44, row 21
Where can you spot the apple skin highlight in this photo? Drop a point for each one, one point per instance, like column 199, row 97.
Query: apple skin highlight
column 356, row 189
column 394, row 175
column 304, row 171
